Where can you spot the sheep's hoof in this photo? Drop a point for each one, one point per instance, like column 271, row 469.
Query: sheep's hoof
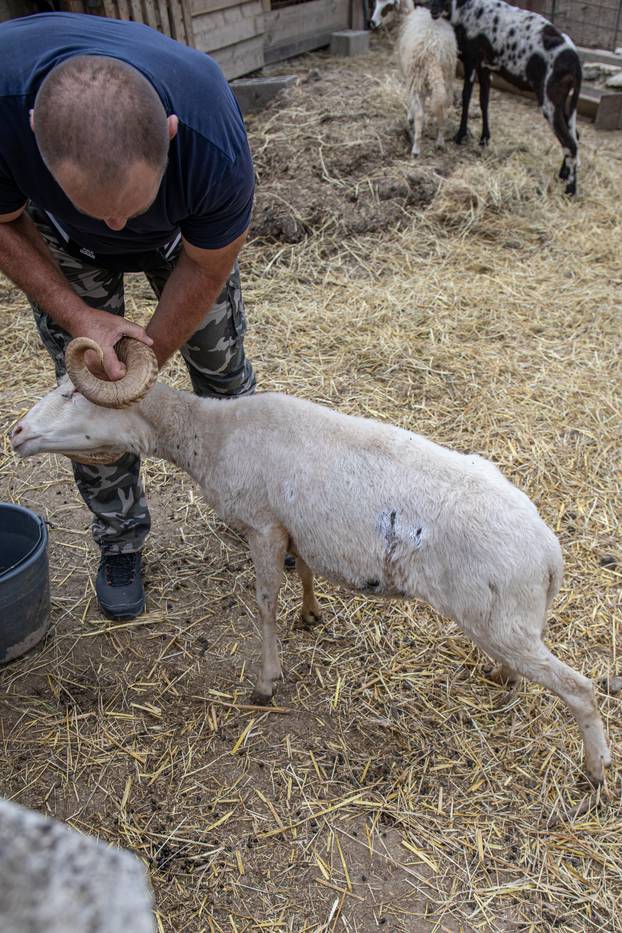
column 594, row 765
column 595, row 772
column 571, row 189
column 484, row 141
column 503, row 676
column 460, row 138
column 310, row 618
column 258, row 698
column 564, row 171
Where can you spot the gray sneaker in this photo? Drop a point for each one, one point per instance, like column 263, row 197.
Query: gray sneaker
column 119, row 586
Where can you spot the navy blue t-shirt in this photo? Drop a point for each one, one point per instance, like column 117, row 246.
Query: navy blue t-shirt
column 207, row 189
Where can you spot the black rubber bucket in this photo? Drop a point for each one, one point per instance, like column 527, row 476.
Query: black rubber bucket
column 24, row 581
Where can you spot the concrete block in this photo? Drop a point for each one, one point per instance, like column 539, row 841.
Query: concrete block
column 609, row 113
column 254, row 93
column 348, row 43
column 55, row 880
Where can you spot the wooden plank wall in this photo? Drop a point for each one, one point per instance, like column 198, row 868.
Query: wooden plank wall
column 232, row 31
column 172, row 17
column 11, row 9
column 304, row 26
column 242, row 35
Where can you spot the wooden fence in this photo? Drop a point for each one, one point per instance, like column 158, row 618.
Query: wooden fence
column 172, row 17
column 244, row 35
column 231, row 31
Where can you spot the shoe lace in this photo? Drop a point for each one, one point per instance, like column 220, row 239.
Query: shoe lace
column 120, row 569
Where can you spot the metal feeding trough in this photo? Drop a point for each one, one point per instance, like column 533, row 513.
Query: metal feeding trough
column 24, row 581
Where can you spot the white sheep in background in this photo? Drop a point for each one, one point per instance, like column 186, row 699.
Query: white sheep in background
column 374, row 507
column 427, row 53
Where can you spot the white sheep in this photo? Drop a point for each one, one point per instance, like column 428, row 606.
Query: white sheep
column 427, row 54
column 369, row 505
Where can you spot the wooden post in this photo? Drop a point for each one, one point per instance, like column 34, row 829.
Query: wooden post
column 186, row 15
column 357, row 14
column 616, row 28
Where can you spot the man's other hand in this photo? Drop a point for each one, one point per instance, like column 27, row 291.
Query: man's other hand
column 107, row 329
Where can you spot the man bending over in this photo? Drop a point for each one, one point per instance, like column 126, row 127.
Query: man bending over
column 123, row 151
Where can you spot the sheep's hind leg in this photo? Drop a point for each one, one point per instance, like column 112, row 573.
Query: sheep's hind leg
column 311, row 612
column 268, row 548
column 416, row 109
column 439, row 98
column 537, row 663
column 483, row 75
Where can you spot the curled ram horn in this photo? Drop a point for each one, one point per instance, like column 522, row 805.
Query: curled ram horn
column 140, row 362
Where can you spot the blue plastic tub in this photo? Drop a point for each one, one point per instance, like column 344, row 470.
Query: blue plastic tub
column 24, row 581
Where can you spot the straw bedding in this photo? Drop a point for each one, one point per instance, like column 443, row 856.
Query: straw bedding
column 393, row 786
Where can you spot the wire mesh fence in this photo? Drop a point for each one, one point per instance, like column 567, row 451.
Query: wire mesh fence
column 592, row 24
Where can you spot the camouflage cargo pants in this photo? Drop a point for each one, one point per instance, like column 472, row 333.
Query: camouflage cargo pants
column 214, row 356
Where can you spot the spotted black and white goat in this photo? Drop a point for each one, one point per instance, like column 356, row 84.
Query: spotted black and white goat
column 528, row 52
column 427, row 54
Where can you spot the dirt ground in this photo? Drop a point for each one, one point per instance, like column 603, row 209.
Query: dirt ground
column 393, row 786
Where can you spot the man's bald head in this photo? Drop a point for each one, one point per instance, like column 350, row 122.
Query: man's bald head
column 100, row 116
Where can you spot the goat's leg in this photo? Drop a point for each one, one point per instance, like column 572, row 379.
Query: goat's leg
column 571, row 159
column 467, row 90
column 535, row 662
column 565, row 129
column 483, row 75
column 311, row 612
column 268, row 548
column 566, row 132
column 416, row 110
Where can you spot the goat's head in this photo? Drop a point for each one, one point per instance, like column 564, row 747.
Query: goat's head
column 440, row 8
column 76, row 419
column 381, row 9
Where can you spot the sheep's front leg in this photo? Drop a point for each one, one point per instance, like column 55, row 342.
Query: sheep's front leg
column 311, row 612
column 268, row 548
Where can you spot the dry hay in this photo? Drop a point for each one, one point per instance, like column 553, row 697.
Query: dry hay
column 394, row 787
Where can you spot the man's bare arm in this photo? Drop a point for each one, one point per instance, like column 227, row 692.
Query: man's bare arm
column 191, row 290
column 26, row 261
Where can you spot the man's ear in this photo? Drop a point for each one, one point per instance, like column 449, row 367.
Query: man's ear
column 31, row 117
column 172, row 123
